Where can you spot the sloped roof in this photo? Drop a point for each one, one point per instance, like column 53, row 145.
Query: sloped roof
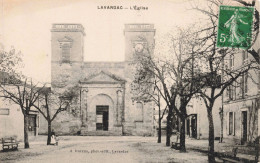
column 103, row 78
column 65, row 39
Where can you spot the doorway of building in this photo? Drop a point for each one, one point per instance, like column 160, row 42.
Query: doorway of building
column 102, row 117
column 194, row 126
column 32, row 125
column 244, row 127
column 188, row 126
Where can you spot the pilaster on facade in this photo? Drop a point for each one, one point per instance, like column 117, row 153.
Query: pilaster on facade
column 84, row 105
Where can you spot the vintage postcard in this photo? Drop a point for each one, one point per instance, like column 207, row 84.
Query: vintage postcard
column 129, row 81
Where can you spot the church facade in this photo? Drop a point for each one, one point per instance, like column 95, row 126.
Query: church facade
column 105, row 105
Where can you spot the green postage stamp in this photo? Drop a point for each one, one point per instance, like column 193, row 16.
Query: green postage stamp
column 235, row 27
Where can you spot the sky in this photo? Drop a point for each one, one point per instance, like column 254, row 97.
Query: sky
column 26, row 24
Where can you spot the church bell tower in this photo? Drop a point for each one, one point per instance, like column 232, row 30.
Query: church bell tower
column 138, row 39
column 67, row 54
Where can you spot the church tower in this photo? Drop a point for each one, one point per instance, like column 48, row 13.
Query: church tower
column 139, row 39
column 67, row 54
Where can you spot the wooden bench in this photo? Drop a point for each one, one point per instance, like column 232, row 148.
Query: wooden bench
column 176, row 145
column 230, row 160
column 9, row 144
column 231, row 156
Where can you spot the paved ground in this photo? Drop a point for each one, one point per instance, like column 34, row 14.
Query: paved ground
column 102, row 149
column 73, row 149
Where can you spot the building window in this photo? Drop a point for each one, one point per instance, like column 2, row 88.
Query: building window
column 234, row 91
column 231, row 123
column 139, row 112
column 231, row 92
column 227, row 93
column 231, row 62
column 65, row 53
column 244, row 57
column 230, row 117
column 65, row 45
column 4, row 111
column 243, row 85
column 240, row 92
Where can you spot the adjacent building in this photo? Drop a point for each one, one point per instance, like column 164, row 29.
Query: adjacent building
column 11, row 116
column 241, row 102
column 197, row 125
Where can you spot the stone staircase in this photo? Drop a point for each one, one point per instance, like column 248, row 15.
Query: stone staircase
column 116, row 131
column 100, row 133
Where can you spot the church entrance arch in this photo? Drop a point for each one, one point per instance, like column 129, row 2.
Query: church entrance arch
column 102, row 106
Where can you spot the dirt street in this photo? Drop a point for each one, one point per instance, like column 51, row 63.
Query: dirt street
column 74, row 149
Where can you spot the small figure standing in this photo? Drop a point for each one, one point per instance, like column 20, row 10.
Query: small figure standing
column 53, row 138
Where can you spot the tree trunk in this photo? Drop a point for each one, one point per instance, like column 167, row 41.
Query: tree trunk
column 221, row 123
column 169, row 128
column 257, row 149
column 182, row 135
column 159, row 131
column 49, row 133
column 211, row 153
column 168, row 132
column 26, row 126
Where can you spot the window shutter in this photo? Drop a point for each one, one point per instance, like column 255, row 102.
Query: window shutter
column 245, row 83
column 240, row 89
column 227, row 126
column 243, row 86
column 227, row 94
column 230, row 92
column 234, row 123
column 234, row 91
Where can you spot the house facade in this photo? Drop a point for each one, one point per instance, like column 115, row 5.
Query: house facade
column 11, row 120
column 241, row 102
column 106, row 105
column 11, row 116
column 197, row 125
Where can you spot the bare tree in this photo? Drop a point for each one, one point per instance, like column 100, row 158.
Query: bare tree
column 25, row 94
column 184, row 72
column 147, row 69
column 175, row 77
column 51, row 104
column 160, row 117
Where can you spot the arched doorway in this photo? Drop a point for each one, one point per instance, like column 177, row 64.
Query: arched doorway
column 102, row 107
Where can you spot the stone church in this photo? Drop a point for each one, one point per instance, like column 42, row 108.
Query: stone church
column 106, row 105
